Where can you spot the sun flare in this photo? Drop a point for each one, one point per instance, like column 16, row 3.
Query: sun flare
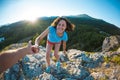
column 32, row 19
column 31, row 16
column 31, row 13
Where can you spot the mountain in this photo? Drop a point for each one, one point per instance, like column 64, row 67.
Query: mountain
column 83, row 16
column 88, row 35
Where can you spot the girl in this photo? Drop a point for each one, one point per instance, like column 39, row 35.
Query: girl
column 55, row 34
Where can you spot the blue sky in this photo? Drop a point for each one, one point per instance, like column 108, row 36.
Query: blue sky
column 16, row 10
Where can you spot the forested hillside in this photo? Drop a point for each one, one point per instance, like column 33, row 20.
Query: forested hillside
column 88, row 35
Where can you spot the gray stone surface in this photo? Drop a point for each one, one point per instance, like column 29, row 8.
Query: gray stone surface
column 75, row 66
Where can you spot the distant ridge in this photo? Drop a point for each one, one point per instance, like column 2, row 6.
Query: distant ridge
column 84, row 16
column 88, row 35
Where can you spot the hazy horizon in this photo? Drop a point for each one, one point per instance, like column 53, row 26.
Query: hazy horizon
column 16, row 10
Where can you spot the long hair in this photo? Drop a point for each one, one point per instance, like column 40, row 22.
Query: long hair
column 69, row 25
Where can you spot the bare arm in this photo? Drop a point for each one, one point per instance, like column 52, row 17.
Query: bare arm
column 64, row 46
column 41, row 36
column 10, row 57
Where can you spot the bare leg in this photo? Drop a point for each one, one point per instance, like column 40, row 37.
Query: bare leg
column 57, row 47
column 48, row 51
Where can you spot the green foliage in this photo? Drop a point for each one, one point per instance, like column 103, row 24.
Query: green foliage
column 17, row 46
column 104, row 78
column 33, row 40
column 18, row 31
column 115, row 59
column 106, row 59
column 86, row 36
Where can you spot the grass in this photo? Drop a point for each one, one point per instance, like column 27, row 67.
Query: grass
column 88, row 53
column 114, row 59
column 14, row 46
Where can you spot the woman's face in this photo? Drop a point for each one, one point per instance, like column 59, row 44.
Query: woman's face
column 61, row 26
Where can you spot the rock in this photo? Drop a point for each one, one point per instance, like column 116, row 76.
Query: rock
column 80, row 73
column 76, row 66
column 89, row 78
column 46, row 76
column 111, row 43
column 68, row 79
column 13, row 73
column 107, row 65
column 118, row 50
column 63, row 57
column 26, row 59
column 99, row 76
column 91, row 61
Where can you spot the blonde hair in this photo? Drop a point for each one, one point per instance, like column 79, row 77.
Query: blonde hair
column 70, row 26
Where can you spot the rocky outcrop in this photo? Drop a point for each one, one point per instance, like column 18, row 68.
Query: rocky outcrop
column 111, row 43
column 77, row 65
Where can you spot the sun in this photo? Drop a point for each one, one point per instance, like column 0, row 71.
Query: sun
column 31, row 16
column 31, row 13
column 32, row 19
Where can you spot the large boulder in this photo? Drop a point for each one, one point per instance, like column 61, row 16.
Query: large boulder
column 111, row 43
column 76, row 65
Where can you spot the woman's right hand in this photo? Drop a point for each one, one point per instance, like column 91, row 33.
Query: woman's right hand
column 35, row 48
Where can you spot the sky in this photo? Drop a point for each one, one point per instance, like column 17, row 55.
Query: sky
column 17, row 10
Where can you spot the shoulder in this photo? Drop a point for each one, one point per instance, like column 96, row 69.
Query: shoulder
column 51, row 27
